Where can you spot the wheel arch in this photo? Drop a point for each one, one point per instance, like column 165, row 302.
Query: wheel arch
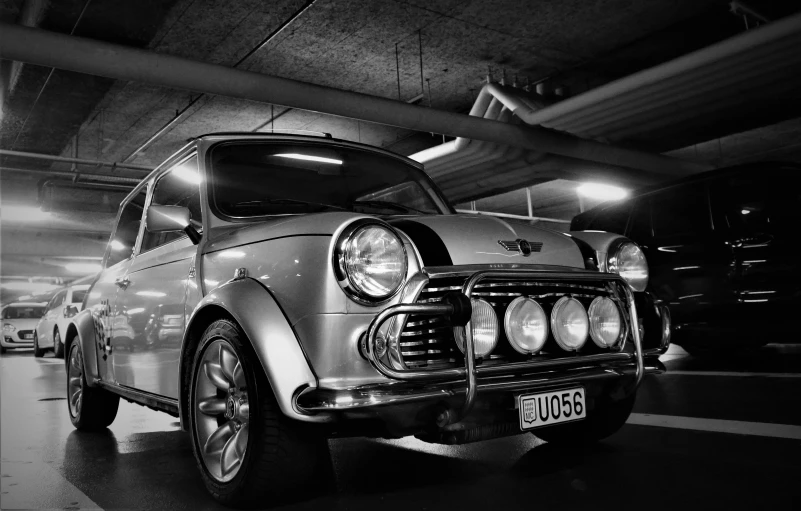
column 82, row 330
column 255, row 310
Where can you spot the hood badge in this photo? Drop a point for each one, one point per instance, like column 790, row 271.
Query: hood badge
column 520, row 245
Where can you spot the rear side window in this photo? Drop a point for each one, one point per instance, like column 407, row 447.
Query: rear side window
column 77, row 296
column 755, row 204
column 680, row 211
column 612, row 219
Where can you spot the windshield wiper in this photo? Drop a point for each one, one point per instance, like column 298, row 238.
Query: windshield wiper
column 389, row 205
column 288, row 201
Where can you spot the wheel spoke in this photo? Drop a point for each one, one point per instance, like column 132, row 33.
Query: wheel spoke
column 75, row 381
column 74, row 362
column 219, row 438
column 234, row 450
column 215, row 374
column 239, row 377
column 228, row 362
column 75, row 398
column 212, row 406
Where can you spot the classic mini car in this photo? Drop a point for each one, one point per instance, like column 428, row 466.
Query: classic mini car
column 328, row 289
column 65, row 304
column 18, row 321
column 721, row 247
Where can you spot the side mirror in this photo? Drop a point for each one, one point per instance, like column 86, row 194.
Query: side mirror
column 171, row 219
column 70, row 311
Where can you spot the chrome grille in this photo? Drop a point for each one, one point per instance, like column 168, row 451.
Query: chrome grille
column 428, row 342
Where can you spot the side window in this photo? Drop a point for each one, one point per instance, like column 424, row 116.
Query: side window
column 640, row 224
column 680, row 211
column 756, row 204
column 178, row 187
column 612, row 219
column 124, row 241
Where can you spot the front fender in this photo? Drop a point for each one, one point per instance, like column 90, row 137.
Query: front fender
column 256, row 311
column 86, row 333
column 601, row 242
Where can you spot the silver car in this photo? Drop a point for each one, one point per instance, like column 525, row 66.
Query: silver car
column 65, row 304
column 19, row 320
column 326, row 288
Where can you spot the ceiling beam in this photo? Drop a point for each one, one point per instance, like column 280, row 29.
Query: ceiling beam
column 100, row 58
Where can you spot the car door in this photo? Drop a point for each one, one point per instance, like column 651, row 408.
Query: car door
column 47, row 325
column 690, row 263
column 101, row 301
column 762, row 215
column 153, row 303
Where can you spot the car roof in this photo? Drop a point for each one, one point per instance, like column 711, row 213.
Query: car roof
column 80, row 287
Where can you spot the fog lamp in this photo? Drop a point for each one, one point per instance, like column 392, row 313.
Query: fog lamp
column 569, row 323
column 483, row 326
column 526, row 325
column 605, row 322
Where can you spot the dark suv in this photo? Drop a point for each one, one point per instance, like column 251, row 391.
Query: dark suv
column 722, row 247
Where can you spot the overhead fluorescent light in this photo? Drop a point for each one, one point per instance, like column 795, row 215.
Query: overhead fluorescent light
column 187, row 173
column 117, row 245
column 83, row 267
column 154, row 294
column 308, row 157
column 602, row 192
column 23, row 214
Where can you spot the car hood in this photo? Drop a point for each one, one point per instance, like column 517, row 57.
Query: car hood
column 23, row 324
column 441, row 240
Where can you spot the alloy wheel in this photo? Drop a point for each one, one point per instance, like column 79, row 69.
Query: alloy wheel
column 75, row 382
column 222, row 410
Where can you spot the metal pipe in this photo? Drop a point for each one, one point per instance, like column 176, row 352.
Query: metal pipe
column 80, row 161
column 64, row 173
column 180, row 115
column 516, row 217
column 99, row 58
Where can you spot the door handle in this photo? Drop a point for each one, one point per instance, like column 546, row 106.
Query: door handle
column 122, row 283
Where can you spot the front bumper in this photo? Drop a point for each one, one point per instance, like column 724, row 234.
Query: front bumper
column 410, row 386
column 12, row 340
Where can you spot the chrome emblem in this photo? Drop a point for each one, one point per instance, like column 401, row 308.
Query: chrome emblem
column 520, row 245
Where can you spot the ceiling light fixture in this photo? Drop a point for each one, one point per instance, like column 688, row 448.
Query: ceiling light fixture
column 117, row 245
column 23, row 214
column 602, row 192
column 83, row 267
column 297, row 156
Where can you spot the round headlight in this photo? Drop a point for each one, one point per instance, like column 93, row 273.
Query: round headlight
column 629, row 262
column 484, row 327
column 373, row 261
column 605, row 322
column 569, row 323
column 8, row 327
column 526, row 325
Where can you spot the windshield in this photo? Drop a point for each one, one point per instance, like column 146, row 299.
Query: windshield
column 257, row 179
column 23, row 312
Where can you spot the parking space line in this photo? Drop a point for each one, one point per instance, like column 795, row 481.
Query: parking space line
column 717, row 425
column 731, row 373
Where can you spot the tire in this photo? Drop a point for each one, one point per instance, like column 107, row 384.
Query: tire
column 2, row 349
column 58, row 346
column 269, row 456
column 599, row 424
column 90, row 408
column 37, row 351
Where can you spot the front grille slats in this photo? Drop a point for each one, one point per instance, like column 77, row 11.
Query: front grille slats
column 428, row 343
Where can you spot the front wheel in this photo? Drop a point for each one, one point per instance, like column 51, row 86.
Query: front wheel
column 58, row 346
column 91, row 408
column 600, row 423
column 248, row 452
column 37, row 351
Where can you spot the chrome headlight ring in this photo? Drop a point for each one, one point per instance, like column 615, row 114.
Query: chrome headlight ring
column 627, row 259
column 343, row 263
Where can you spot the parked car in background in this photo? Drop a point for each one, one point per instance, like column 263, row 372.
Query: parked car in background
column 19, row 320
column 49, row 333
column 722, row 248
column 293, row 288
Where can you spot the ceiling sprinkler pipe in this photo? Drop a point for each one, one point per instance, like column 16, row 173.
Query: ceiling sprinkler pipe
column 79, row 161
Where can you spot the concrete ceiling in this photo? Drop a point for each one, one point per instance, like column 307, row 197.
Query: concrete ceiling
column 345, row 44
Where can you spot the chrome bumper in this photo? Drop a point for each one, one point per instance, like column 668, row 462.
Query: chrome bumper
column 471, row 379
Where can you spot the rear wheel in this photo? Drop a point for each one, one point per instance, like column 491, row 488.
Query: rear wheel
column 58, row 346
column 2, row 349
column 91, row 408
column 599, row 424
column 37, row 351
column 248, row 452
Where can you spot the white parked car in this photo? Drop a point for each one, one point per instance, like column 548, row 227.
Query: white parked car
column 60, row 309
column 19, row 320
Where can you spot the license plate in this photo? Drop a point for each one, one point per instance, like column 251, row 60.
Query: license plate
column 27, row 336
column 548, row 408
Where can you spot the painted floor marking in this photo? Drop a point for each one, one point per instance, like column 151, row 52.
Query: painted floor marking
column 717, row 425
column 731, row 373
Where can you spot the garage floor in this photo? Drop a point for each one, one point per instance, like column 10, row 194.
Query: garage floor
column 720, row 434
